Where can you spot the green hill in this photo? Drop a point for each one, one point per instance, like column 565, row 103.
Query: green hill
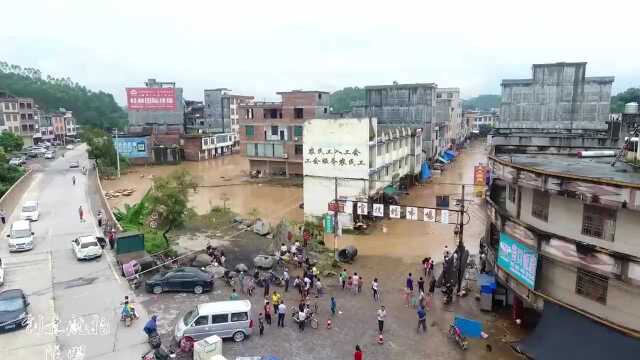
column 482, row 102
column 90, row 108
column 341, row 100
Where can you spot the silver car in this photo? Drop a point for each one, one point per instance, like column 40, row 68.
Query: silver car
column 223, row 318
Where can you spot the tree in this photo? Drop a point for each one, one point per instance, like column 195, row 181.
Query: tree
column 9, row 174
column 11, row 142
column 343, row 100
column 627, row 96
column 168, row 200
column 102, row 149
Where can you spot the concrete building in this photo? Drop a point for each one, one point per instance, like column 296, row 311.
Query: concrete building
column 18, row 115
column 203, row 147
column 194, row 118
column 474, row 120
column 150, row 114
column 9, row 115
column 221, row 111
column 271, row 133
column 558, row 96
column 46, row 129
column 404, row 105
column 449, row 127
column 356, row 158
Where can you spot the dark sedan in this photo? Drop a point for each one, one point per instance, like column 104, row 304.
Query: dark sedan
column 180, row 279
column 13, row 309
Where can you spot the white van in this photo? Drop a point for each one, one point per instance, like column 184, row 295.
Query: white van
column 223, row 318
column 30, row 211
column 20, row 236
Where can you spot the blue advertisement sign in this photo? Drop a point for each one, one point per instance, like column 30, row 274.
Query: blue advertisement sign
column 518, row 260
column 132, row 147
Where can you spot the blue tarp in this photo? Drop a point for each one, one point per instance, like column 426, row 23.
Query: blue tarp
column 487, row 283
column 451, row 153
column 425, row 172
column 446, row 156
column 444, row 161
column 468, row 327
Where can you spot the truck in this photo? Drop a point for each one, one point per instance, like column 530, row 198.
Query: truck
column 130, row 247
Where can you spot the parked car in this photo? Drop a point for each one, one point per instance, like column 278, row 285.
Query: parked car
column 32, row 154
column 74, row 164
column 20, row 236
column 86, row 247
column 180, row 279
column 49, row 155
column 13, row 309
column 222, row 318
column 69, row 147
column 30, row 211
column 18, row 161
column 39, row 150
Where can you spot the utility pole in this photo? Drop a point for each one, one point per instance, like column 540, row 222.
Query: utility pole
column 461, row 250
column 117, row 154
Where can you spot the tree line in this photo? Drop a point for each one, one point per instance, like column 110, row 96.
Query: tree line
column 90, row 108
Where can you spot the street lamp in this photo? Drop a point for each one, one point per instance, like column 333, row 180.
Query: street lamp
column 117, row 154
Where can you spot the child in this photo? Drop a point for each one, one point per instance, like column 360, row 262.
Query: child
column 349, row 282
column 360, row 281
column 333, row 306
column 261, row 323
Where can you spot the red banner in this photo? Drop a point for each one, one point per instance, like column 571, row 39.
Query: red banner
column 478, row 175
column 151, row 99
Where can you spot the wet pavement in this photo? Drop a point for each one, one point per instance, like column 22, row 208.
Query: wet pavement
column 389, row 256
column 222, row 181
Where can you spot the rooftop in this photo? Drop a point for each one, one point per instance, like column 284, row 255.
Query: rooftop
column 302, row 92
column 595, row 169
column 416, row 85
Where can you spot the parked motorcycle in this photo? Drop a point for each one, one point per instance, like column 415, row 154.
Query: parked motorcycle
column 461, row 340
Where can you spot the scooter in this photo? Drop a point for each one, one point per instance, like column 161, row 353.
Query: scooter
column 455, row 333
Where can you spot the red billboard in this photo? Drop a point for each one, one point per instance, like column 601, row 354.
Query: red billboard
column 151, row 99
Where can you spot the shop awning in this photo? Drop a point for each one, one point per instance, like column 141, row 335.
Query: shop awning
column 451, row 153
column 390, row 190
column 565, row 334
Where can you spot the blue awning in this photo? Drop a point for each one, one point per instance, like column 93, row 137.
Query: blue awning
column 451, row 153
column 439, row 158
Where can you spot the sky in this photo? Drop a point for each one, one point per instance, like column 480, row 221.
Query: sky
column 261, row 47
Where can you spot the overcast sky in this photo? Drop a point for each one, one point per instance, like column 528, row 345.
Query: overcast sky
column 260, row 47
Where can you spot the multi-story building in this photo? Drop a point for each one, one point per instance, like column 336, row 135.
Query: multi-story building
column 559, row 96
column 221, row 112
column 9, row 115
column 271, row 133
column 45, row 128
column 59, row 131
column 404, row 105
column 474, row 120
column 356, row 159
column 158, row 104
column 70, row 125
column 449, row 125
column 193, row 116
column 18, row 115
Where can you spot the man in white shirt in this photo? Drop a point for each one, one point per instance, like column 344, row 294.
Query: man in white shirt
column 301, row 319
column 282, row 311
column 356, row 279
column 382, row 313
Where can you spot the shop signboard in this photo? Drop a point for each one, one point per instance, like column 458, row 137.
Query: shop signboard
column 154, row 99
column 131, row 147
column 518, row 259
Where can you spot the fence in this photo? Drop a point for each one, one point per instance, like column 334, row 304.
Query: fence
column 10, row 200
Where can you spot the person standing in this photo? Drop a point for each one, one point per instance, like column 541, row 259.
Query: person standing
column 282, row 311
column 234, row 295
column 333, row 306
column 100, row 218
column 302, row 317
column 261, row 323
column 297, row 283
column 410, row 282
column 275, row 300
column 358, row 355
column 241, row 281
column 285, row 277
column 421, row 284
column 375, row 286
column 73, row 180
column 266, row 287
column 267, row 312
column 3, row 217
column 360, row 282
column 318, row 288
column 382, row 313
column 355, row 280
column 343, row 278
column 81, row 213
column 422, row 319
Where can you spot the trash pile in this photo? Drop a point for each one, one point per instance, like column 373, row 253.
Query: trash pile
column 119, row 192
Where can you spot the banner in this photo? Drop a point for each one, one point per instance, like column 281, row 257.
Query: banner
column 444, row 216
column 411, row 213
column 430, row 215
column 518, row 260
column 328, row 223
column 362, row 208
column 394, row 212
column 348, row 207
column 378, row 210
column 479, row 175
column 154, row 99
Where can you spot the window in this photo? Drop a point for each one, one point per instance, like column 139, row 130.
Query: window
column 297, row 131
column 379, row 151
column 598, row 222
column 511, row 193
column 274, row 131
column 298, row 149
column 325, row 110
column 220, row 318
column 540, row 205
column 23, row 117
column 387, row 147
column 386, row 171
column 202, row 320
column 28, row 105
column 249, row 130
column 241, row 316
column 298, row 113
column 319, row 96
column 592, row 286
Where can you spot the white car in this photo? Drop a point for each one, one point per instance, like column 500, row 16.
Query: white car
column 49, row 155
column 20, row 236
column 86, row 247
column 69, row 147
column 30, row 211
column 17, row 161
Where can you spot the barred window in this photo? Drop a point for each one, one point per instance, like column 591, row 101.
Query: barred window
column 511, row 193
column 592, row 286
column 598, row 222
column 540, row 205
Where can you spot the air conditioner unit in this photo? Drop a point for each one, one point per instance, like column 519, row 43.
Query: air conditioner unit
column 296, row 139
column 285, row 156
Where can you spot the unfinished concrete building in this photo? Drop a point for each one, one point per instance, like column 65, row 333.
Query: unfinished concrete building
column 403, row 105
column 559, row 96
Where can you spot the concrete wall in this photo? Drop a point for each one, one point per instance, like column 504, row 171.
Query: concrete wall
column 138, row 117
column 11, row 199
column 558, row 96
column 565, row 219
column 319, row 191
column 559, row 281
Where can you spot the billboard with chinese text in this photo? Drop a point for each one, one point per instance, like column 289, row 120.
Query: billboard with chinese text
column 336, row 148
column 135, row 147
column 154, row 99
column 518, row 259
